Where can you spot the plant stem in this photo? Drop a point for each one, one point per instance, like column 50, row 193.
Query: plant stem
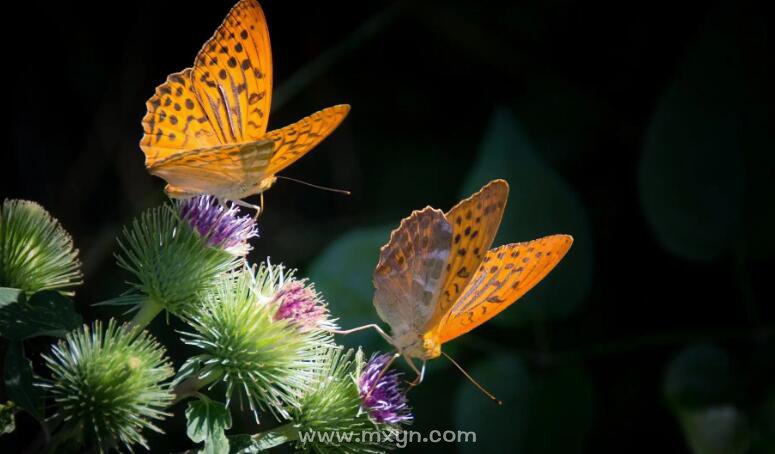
column 276, row 437
column 190, row 386
column 149, row 310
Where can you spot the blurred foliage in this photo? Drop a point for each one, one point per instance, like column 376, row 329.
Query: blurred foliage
column 703, row 147
column 561, row 398
column 705, row 389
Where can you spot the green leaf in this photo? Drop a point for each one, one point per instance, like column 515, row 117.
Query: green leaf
column 342, row 273
column 7, row 417
column 207, row 422
column 241, row 444
column 9, row 296
column 540, row 203
column 46, row 313
column 561, row 398
column 703, row 173
column 19, row 380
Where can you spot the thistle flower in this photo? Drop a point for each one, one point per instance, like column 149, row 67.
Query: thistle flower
column 108, row 383
column 335, row 404
column 219, row 225
column 268, row 362
column 36, row 253
column 298, row 302
column 172, row 262
column 380, row 391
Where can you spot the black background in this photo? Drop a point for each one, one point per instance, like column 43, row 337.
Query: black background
column 588, row 83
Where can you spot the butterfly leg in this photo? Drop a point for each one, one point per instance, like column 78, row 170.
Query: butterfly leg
column 420, row 373
column 365, row 327
column 244, row 204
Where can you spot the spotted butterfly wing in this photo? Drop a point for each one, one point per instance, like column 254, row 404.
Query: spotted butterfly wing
column 232, row 75
column 505, row 274
column 223, row 99
column 474, row 223
column 296, row 140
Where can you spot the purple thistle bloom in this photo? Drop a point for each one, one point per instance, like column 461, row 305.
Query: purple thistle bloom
column 382, row 396
column 219, row 225
column 301, row 304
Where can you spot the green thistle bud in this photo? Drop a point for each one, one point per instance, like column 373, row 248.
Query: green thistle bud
column 172, row 262
column 268, row 361
column 108, row 385
column 36, row 253
column 336, row 403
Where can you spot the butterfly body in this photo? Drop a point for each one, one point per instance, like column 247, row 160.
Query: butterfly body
column 205, row 130
column 437, row 277
column 236, row 192
column 420, row 346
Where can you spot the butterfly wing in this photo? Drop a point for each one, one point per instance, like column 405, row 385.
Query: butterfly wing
column 294, row 141
column 232, row 75
column 505, row 274
column 223, row 99
column 475, row 223
column 411, row 270
column 219, row 170
column 175, row 121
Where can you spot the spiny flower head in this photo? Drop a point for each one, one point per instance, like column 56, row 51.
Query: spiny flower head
column 268, row 362
column 299, row 303
column 334, row 404
column 171, row 261
column 110, row 382
column 381, row 393
column 219, row 225
column 36, row 253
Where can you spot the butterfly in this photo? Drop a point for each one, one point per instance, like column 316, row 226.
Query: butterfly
column 205, row 127
column 437, row 277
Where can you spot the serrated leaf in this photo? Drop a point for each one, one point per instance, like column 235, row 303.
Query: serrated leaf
column 46, row 313
column 207, row 421
column 19, row 380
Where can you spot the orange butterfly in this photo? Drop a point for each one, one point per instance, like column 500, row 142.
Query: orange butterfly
column 437, row 277
column 205, row 129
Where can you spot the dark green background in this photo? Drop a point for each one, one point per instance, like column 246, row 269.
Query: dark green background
column 644, row 129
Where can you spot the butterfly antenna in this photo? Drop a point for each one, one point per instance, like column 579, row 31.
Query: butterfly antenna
column 340, row 191
column 471, row 379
